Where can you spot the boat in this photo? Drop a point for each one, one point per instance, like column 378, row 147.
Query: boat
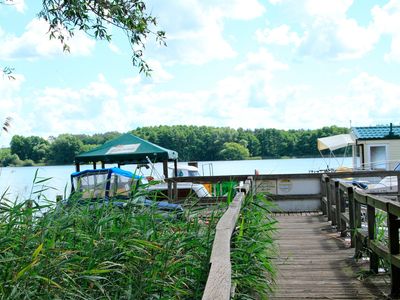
column 388, row 184
column 113, row 186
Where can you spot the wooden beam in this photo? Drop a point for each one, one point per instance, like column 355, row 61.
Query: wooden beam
column 165, row 168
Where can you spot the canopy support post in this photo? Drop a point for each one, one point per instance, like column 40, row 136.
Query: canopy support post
column 175, row 168
column 165, row 168
column 77, row 167
column 94, row 165
column 103, row 165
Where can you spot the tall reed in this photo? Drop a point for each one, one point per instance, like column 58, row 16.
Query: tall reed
column 101, row 251
column 254, row 250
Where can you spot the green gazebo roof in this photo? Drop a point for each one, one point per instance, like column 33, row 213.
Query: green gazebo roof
column 126, row 148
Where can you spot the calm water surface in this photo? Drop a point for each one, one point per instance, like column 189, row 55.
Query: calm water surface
column 19, row 180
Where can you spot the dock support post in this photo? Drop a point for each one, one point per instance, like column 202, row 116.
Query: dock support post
column 393, row 224
column 328, row 198
column 373, row 257
column 335, row 200
column 357, row 227
column 342, row 210
column 350, row 195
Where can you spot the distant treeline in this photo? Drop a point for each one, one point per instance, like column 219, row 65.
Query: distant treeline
column 199, row 143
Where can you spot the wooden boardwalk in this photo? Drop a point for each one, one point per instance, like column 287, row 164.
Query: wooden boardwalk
column 315, row 263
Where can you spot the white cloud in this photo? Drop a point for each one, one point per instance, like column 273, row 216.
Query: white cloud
column 281, row 35
column 337, row 39
column 35, row 43
column 19, row 5
column 239, row 9
column 386, row 22
column 195, row 29
column 114, row 48
column 330, row 9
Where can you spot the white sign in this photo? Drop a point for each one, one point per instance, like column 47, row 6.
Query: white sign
column 121, row 149
column 285, row 185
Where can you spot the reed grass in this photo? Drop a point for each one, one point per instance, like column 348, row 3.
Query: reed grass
column 254, row 250
column 101, row 251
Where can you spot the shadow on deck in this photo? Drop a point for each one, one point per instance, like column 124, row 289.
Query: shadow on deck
column 316, row 263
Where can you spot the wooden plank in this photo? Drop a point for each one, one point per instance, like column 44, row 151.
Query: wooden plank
column 393, row 208
column 379, row 249
column 360, row 197
column 294, row 197
column 315, row 263
column 218, row 285
column 345, row 217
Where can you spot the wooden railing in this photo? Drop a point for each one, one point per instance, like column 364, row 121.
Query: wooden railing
column 219, row 282
column 346, row 207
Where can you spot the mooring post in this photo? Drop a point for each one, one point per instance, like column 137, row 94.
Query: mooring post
column 342, row 209
column 393, row 224
column 357, row 227
column 328, row 198
column 350, row 195
column 373, row 257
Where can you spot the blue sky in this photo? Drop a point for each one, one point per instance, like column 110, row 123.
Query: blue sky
column 284, row 64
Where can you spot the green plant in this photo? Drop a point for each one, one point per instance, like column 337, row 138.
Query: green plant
column 254, row 250
column 99, row 251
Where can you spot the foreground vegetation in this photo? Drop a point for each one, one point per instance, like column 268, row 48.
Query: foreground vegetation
column 254, row 250
column 199, row 143
column 103, row 252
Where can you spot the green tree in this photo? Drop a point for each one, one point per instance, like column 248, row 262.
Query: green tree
column 32, row 147
column 64, row 148
column 97, row 18
column 234, row 151
column 8, row 159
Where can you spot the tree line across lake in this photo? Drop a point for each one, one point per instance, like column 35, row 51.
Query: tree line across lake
column 199, row 143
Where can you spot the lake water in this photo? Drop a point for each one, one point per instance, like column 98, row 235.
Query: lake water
column 19, row 180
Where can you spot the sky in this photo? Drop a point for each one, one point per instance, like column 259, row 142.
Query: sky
column 286, row 64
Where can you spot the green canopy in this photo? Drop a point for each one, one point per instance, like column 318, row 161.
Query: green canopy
column 126, row 148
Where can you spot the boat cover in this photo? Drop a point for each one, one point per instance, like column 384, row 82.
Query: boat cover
column 335, row 142
column 127, row 148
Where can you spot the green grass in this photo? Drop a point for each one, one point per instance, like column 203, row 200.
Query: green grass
column 103, row 252
column 254, row 250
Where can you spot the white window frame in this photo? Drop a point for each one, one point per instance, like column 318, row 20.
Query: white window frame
column 369, row 146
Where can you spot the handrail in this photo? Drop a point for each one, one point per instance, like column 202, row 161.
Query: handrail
column 350, row 218
column 219, row 281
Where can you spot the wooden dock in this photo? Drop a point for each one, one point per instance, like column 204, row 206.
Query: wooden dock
column 316, row 263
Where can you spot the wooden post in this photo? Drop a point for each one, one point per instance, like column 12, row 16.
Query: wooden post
column 342, row 205
column 103, row 165
column 94, row 165
column 328, row 198
column 77, row 167
column 175, row 168
column 335, row 191
column 357, row 227
column 350, row 195
column 323, row 194
column 398, row 188
column 165, row 168
column 393, row 224
column 373, row 258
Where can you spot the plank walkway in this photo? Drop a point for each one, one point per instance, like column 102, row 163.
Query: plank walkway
column 315, row 263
